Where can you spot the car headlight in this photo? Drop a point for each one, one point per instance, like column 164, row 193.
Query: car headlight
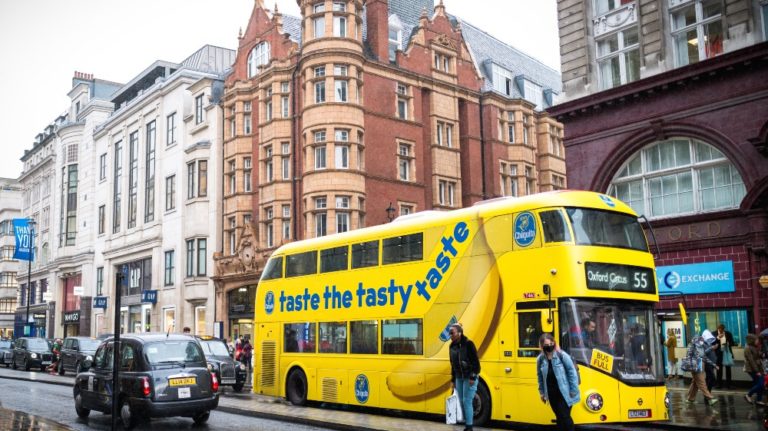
column 666, row 400
column 594, row 402
column 242, row 367
column 33, row 355
column 89, row 358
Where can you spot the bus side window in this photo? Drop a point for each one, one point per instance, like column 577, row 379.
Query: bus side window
column 333, row 337
column 274, row 269
column 334, row 259
column 406, row 248
column 299, row 337
column 365, row 254
column 402, row 337
column 301, row 264
column 364, row 336
column 554, row 227
column 529, row 331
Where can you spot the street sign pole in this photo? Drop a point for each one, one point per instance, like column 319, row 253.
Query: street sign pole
column 119, row 279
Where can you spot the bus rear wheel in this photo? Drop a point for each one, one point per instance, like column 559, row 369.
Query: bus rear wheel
column 481, row 405
column 296, row 387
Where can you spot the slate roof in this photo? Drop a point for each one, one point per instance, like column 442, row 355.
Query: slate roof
column 292, row 26
column 209, row 58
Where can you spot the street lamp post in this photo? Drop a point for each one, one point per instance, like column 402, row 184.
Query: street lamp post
column 390, row 212
column 31, row 224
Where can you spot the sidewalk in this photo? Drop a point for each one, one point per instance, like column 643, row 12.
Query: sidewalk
column 731, row 413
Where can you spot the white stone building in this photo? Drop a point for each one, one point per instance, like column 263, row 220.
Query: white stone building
column 10, row 208
column 156, row 208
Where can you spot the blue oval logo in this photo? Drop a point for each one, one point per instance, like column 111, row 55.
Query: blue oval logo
column 445, row 334
column 525, row 229
column 362, row 389
column 269, row 302
column 608, row 201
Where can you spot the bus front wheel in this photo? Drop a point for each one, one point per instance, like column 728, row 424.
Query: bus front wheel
column 481, row 405
column 296, row 387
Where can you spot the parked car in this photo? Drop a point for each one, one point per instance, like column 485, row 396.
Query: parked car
column 6, row 352
column 229, row 371
column 161, row 375
column 29, row 352
column 75, row 352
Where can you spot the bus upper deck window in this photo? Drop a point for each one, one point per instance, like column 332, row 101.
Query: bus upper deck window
column 334, row 259
column 365, row 254
column 554, row 227
column 301, row 264
column 406, row 248
column 274, row 268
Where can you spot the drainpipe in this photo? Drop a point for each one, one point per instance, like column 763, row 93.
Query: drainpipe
column 294, row 149
column 482, row 149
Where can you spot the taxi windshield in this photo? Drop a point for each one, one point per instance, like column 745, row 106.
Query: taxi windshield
column 617, row 337
column 38, row 344
column 607, row 229
column 214, row 347
column 89, row 345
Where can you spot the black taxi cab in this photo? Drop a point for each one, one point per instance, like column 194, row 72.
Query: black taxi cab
column 229, row 371
column 160, row 375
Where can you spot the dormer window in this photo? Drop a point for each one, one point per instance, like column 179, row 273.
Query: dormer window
column 395, row 36
column 533, row 93
column 259, row 56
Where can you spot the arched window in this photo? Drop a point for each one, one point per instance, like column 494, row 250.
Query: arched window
column 678, row 176
column 259, row 56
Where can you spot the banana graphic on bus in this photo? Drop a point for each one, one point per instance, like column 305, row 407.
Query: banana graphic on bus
column 472, row 289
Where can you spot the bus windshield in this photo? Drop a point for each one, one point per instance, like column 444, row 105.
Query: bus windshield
column 607, row 229
column 616, row 337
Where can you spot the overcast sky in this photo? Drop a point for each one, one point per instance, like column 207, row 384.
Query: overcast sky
column 42, row 43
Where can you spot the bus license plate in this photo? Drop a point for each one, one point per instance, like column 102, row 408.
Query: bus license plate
column 636, row 414
column 186, row 381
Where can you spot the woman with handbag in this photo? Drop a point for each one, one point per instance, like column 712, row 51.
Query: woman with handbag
column 724, row 356
column 465, row 366
column 671, row 344
column 558, row 381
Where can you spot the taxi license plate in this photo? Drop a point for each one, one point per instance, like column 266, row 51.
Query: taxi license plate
column 636, row 414
column 46, row 362
column 186, row 381
column 228, row 381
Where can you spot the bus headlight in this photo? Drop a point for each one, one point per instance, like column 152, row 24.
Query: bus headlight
column 666, row 400
column 594, row 402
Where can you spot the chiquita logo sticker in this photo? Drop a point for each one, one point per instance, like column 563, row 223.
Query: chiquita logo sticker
column 525, row 229
column 361, row 389
column 269, row 302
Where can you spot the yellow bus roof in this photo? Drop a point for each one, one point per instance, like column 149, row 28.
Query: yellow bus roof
column 488, row 208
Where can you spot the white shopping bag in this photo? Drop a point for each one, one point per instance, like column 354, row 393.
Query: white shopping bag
column 453, row 410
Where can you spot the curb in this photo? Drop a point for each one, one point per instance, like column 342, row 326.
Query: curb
column 27, row 379
column 294, row 419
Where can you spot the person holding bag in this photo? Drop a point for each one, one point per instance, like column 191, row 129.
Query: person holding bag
column 724, row 356
column 465, row 366
column 558, row 381
column 671, row 344
column 693, row 362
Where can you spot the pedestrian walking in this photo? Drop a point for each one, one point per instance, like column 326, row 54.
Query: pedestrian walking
column 696, row 356
column 671, row 344
column 56, row 350
column 754, row 367
column 709, row 369
column 238, row 348
column 558, row 381
column 465, row 366
column 724, row 356
column 245, row 356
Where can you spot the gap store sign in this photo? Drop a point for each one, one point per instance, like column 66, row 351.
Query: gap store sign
column 695, row 278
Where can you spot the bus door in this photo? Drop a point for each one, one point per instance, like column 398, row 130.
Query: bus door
column 266, row 362
column 520, row 393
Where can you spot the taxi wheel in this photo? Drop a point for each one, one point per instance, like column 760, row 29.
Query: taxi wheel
column 296, row 387
column 61, row 367
column 481, row 404
column 81, row 412
column 201, row 418
column 26, row 364
column 13, row 364
column 127, row 415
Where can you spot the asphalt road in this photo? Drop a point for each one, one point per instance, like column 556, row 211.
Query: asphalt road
column 54, row 402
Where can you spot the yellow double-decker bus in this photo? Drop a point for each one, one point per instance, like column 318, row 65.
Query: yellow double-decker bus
column 361, row 317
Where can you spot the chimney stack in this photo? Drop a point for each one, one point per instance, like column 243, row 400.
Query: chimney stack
column 377, row 16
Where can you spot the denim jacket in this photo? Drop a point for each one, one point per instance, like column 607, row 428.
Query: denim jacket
column 565, row 374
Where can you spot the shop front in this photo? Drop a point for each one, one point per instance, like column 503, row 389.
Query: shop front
column 240, row 311
column 137, row 297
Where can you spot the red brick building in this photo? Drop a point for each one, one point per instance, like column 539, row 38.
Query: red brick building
column 674, row 121
column 348, row 117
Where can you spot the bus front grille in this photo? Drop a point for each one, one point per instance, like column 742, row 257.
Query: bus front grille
column 268, row 366
column 330, row 391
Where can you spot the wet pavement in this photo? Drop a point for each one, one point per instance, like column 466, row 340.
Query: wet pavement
column 11, row 420
column 731, row 413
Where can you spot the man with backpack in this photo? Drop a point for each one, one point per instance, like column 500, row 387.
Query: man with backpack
column 693, row 362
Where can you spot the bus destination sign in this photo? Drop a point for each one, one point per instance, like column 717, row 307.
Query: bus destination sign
column 625, row 278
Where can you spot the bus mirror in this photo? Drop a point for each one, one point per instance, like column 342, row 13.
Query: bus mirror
column 545, row 289
column 683, row 314
column 547, row 325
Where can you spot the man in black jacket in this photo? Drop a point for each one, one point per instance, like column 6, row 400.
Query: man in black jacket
column 465, row 366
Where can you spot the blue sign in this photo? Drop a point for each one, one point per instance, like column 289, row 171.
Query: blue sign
column 23, row 233
column 100, row 302
column 269, row 302
column 695, row 278
column 525, row 229
column 445, row 334
column 149, row 296
column 608, row 200
column 362, row 389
